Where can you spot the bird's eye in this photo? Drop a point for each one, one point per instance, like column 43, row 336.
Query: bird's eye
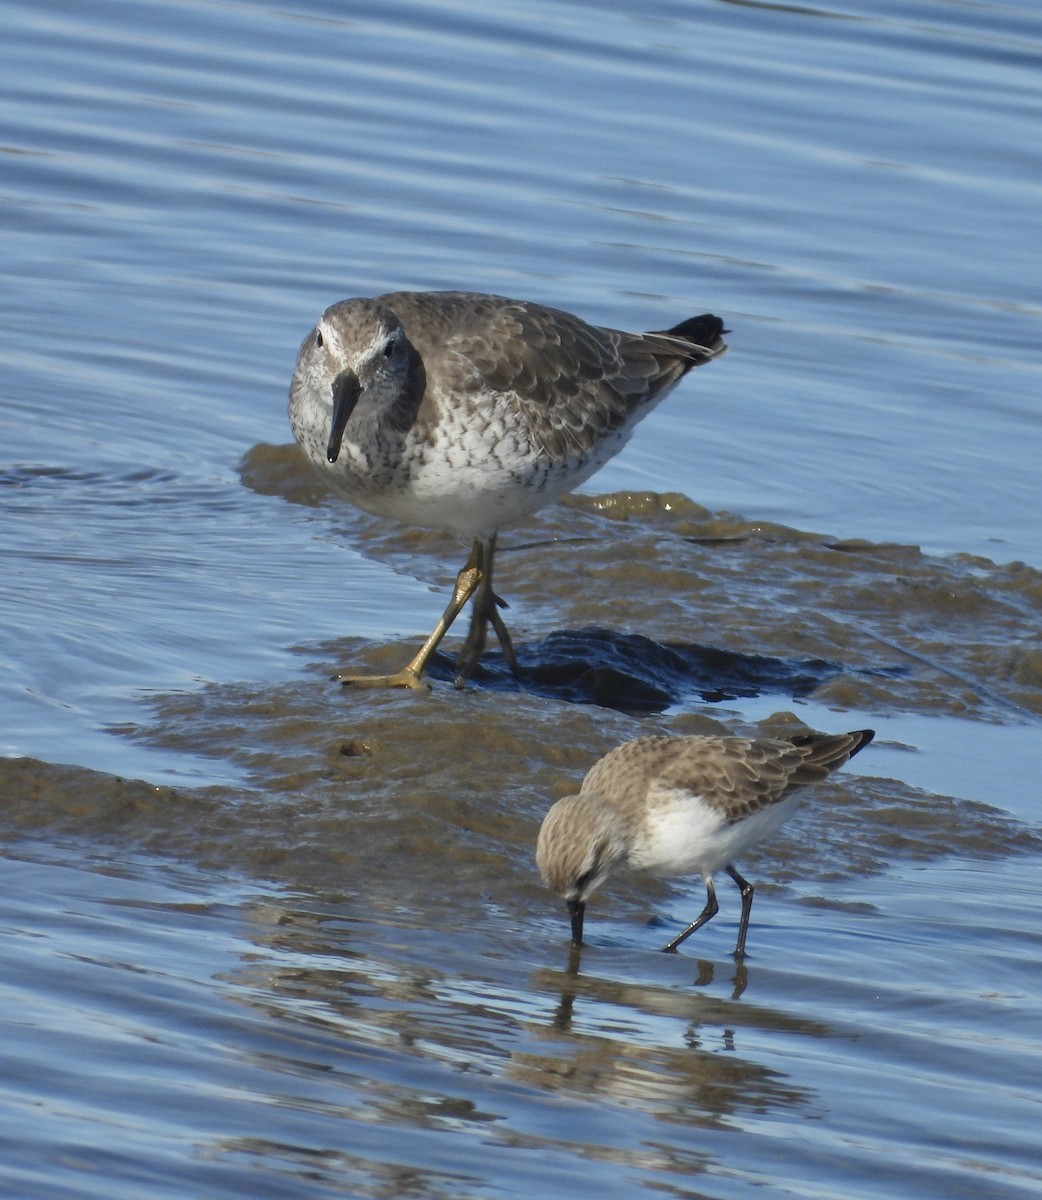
column 389, row 347
column 584, row 880
column 319, row 340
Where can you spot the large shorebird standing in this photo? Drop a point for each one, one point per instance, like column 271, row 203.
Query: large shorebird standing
column 467, row 413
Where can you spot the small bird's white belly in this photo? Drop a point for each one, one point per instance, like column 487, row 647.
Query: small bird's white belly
column 682, row 835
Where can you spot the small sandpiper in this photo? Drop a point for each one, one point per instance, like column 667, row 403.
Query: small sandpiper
column 681, row 806
column 467, row 413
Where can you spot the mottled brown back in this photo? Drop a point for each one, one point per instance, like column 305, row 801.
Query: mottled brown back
column 737, row 776
column 573, row 383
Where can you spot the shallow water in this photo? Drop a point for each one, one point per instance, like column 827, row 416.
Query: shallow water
column 264, row 937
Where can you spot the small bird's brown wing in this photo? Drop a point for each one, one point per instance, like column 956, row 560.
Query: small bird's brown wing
column 740, row 776
column 736, row 776
column 573, row 383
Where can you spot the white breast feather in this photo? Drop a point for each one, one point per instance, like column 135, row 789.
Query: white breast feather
column 682, row 835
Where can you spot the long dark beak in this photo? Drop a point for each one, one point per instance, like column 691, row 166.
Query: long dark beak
column 576, row 910
column 346, row 390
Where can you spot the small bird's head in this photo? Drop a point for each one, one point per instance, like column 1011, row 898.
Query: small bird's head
column 580, row 843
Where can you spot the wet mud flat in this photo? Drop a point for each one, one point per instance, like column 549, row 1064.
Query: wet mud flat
column 394, row 1008
column 631, row 614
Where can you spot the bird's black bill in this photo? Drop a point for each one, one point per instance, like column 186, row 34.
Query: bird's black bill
column 346, row 391
column 576, row 911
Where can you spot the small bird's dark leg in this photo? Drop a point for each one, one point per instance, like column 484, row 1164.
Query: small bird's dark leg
column 576, row 911
column 484, row 612
column 747, row 907
column 707, row 913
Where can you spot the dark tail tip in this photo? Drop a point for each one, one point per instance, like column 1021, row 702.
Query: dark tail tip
column 705, row 330
column 832, row 750
column 864, row 737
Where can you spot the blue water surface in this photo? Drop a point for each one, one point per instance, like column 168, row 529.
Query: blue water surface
column 184, row 186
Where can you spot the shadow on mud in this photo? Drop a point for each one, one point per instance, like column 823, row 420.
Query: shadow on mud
column 635, row 674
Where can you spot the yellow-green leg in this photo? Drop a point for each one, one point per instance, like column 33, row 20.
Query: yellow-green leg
column 409, row 676
column 484, row 612
column 474, row 581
